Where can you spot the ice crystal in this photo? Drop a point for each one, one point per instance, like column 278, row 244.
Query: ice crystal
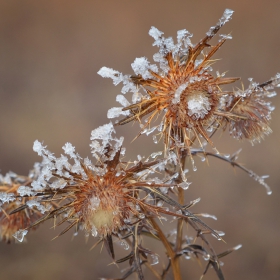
column 20, row 234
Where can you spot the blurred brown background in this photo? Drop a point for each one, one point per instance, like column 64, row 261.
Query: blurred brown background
column 50, row 52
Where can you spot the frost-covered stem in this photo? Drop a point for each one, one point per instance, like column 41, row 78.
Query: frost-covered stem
column 172, row 255
column 180, row 222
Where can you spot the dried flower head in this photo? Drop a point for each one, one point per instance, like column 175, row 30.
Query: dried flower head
column 10, row 186
column 101, row 198
column 184, row 90
column 251, row 112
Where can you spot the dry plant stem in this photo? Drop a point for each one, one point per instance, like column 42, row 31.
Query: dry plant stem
column 157, row 275
column 180, row 222
column 172, row 255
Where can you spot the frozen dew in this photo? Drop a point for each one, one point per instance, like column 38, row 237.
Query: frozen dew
column 94, row 232
column 153, row 259
column 260, row 180
column 124, row 244
column 205, row 215
column 160, row 203
column 206, row 257
column 184, row 185
column 19, row 235
column 221, row 233
column 155, row 154
column 155, row 139
column 237, row 247
column 141, row 216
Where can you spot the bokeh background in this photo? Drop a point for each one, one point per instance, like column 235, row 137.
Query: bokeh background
column 50, row 52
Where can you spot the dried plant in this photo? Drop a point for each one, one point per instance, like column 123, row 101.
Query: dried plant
column 178, row 100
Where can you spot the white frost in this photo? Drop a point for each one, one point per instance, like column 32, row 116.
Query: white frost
column 178, row 93
column 122, row 100
column 141, row 66
column 19, row 235
column 6, row 197
column 116, row 112
column 198, row 105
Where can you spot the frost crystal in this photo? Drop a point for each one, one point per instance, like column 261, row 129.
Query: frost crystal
column 69, row 149
column 122, row 100
column 19, row 235
column 142, row 66
column 25, row 191
column 178, row 92
column 155, row 33
column 6, row 197
column 38, row 148
column 116, row 112
column 198, row 105
column 101, row 138
column 35, row 203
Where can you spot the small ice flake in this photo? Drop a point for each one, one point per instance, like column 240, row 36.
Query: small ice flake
column 19, row 235
column 181, row 34
column 122, row 100
column 106, row 72
column 69, row 149
column 38, row 148
column 103, row 132
column 6, row 197
column 226, row 16
column 141, row 66
column 227, row 37
column 25, row 191
column 155, row 33
column 40, row 207
column 116, row 112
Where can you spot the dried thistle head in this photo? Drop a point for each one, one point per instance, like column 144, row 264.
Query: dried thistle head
column 251, row 112
column 185, row 92
column 101, row 198
column 9, row 197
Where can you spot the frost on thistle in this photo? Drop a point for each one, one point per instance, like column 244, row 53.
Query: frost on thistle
column 117, row 200
column 189, row 97
column 14, row 194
